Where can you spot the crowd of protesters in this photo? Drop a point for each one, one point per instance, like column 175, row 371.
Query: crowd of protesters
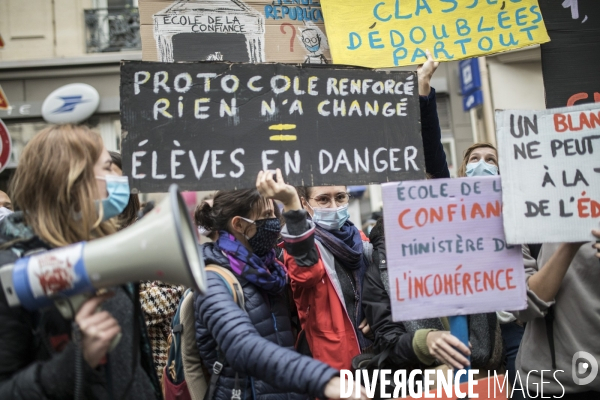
column 315, row 289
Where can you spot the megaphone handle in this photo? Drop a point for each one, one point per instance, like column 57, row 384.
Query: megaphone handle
column 69, row 307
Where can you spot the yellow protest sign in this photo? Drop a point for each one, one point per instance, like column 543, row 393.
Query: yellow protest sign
column 388, row 33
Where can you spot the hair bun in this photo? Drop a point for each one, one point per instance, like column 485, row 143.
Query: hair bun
column 203, row 216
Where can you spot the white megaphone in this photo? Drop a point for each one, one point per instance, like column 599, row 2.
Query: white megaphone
column 161, row 246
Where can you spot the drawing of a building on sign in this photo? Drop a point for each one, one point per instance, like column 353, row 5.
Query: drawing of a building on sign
column 203, row 30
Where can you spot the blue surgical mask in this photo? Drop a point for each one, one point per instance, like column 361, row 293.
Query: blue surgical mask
column 314, row 48
column 481, row 168
column 118, row 195
column 330, row 218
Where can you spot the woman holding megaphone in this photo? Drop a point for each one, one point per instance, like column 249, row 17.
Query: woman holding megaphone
column 67, row 193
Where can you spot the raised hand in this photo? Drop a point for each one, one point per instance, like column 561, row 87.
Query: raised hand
column 425, row 72
column 277, row 189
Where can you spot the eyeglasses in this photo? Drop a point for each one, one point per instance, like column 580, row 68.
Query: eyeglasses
column 326, row 201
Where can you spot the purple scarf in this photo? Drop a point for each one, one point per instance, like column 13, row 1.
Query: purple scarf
column 265, row 272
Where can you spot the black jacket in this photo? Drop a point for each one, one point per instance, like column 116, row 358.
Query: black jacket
column 257, row 342
column 433, row 149
column 37, row 357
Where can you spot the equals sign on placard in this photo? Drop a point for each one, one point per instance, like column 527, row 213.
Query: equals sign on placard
column 281, row 137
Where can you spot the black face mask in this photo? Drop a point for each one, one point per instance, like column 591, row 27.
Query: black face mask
column 265, row 238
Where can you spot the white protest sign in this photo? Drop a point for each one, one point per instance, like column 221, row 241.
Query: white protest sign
column 550, row 173
column 446, row 250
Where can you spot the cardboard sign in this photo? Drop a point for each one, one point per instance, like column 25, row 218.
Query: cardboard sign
column 376, row 33
column 570, row 59
column 446, row 250
column 550, row 173
column 208, row 126
column 234, row 30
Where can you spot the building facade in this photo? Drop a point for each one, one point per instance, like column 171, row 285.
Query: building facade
column 83, row 41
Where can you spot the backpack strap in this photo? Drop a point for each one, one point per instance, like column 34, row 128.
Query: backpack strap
column 174, row 367
column 235, row 289
column 232, row 283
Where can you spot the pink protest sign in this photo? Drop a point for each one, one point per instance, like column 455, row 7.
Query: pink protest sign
column 446, row 250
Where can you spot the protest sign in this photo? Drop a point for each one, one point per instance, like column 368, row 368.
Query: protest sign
column 290, row 31
column 376, row 33
column 550, row 173
column 570, row 60
column 446, row 252
column 208, row 126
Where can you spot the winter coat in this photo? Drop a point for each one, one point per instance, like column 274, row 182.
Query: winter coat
column 159, row 303
column 36, row 352
column 330, row 333
column 257, row 342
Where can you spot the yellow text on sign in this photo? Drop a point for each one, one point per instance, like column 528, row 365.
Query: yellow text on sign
column 387, row 33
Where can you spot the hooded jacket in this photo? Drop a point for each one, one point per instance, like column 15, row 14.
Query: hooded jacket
column 257, row 342
column 36, row 352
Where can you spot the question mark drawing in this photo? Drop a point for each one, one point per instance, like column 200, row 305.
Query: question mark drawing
column 282, row 28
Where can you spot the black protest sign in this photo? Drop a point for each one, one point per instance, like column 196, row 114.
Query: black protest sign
column 570, row 60
column 209, row 126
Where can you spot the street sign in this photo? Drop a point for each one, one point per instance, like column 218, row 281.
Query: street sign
column 3, row 100
column 5, row 146
column 470, row 78
column 472, row 100
column 72, row 103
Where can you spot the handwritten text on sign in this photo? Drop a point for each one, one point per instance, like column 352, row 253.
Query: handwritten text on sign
column 550, row 166
column 387, row 33
column 446, row 249
column 209, row 126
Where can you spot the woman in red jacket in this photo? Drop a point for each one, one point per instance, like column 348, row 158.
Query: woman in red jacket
column 327, row 273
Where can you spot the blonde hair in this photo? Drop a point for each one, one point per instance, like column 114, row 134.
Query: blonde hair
column 462, row 171
column 55, row 185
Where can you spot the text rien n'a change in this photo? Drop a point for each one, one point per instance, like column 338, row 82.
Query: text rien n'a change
column 341, row 104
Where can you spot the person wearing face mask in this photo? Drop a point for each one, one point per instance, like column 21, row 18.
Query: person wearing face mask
column 327, row 279
column 428, row 343
column 481, row 159
column 67, row 193
column 255, row 346
column 158, row 300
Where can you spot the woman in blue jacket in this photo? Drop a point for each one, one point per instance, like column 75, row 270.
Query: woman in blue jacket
column 251, row 351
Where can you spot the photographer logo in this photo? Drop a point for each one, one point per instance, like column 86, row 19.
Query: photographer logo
column 584, row 368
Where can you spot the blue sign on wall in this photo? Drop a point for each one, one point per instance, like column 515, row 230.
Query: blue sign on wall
column 472, row 100
column 470, row 79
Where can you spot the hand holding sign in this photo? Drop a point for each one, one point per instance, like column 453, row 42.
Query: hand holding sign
column 448, row 349
column 277, row 189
